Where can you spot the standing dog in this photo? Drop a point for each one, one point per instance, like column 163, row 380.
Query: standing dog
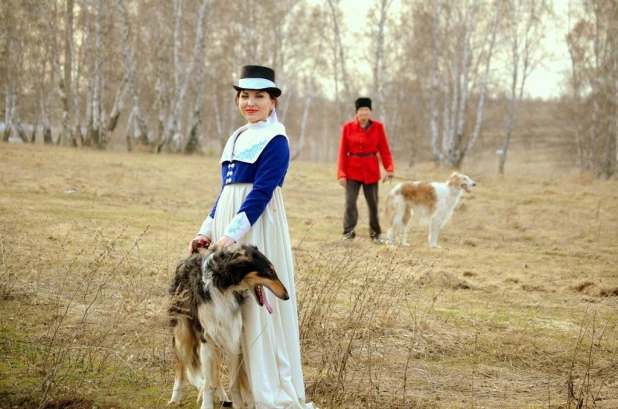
column 207, row 291
column 428, row 203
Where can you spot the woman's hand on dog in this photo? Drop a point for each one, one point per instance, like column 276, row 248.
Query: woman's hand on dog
column 200, row 242
column 224, row 242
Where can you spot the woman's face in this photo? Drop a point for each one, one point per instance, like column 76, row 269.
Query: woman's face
column 255, row 106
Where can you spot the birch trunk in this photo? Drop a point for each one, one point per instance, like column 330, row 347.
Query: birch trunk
column 216, row 107
column 196, row 117
column 616, row 103
column 303, row 124
column 35, row 125
column 17, row 123
column 130, row 75
column 95, row 127
column 68, row 54
column 576, row 83
column 463, row 103
column 379, row 67
column 435, row 81
column 114, row 116
column 452, row 151
column 334, row 7
column 481, row 104
column 129, row 130
column 9, row 111
column 44, row 106
column 66, row 135
column 173, row 124
column 533, row 16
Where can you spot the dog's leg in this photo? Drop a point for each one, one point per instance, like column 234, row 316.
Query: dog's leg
column 389, row 236
column 434, row 230
column 234, row 366
column 216, row 376
column 178, row 380
column 208, row 358
column 403, row 236
column 403, row 233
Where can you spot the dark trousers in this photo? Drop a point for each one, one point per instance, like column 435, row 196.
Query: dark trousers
column 351, row 212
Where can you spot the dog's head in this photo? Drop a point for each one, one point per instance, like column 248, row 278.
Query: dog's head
column 245, row 269
column 460, row 181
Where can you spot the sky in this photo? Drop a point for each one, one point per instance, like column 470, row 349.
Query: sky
column 544, row 82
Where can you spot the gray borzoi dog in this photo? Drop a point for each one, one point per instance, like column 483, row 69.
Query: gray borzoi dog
column 207, row 291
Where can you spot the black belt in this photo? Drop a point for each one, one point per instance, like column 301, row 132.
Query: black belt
column 361, row 155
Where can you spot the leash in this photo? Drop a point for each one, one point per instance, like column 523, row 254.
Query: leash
column 385, row 178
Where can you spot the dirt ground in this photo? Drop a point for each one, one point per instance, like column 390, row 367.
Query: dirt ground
column 518, row 309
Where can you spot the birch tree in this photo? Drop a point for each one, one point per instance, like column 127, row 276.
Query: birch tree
column 379, row 59
column 339, row 59
column 593, row 54
column 181, row 83
column 127, row 50
column 454, row 64
column 526, row 32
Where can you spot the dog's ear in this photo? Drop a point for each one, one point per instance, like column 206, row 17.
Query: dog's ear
column 455, row 179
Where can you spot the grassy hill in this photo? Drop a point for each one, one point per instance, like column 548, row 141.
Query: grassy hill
column 518, row 309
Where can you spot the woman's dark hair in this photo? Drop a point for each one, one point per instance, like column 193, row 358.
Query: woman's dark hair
column 272, row 96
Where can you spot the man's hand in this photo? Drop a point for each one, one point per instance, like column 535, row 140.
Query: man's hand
column 389, row 176
column 343, row 182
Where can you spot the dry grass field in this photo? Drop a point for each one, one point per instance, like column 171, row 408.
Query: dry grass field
column 518, row 309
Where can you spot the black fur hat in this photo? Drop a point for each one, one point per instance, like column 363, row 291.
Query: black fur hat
column 257, row 77
column 363, row 102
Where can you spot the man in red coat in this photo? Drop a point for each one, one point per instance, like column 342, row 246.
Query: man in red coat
column 362, row 139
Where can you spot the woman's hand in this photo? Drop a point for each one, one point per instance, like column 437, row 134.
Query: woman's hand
column 198, row 243
column 343, row 182
column 224, row 242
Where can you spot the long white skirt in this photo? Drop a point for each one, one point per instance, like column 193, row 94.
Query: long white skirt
column 270, row 345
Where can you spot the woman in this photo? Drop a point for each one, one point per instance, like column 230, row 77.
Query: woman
column 249, row 210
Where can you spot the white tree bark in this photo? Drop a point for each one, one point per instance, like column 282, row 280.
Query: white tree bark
column 130, row 75
column 379, row 63
column 576, row 97
column 66, row 135
column 9, row 112
column 96, row 94
column 481, row 104
column 530, row 14
column 335, row 12
column 173, row 124
column 196, row 117
column 303, row 124
column 616, row 103
column 461, row 121
column 216, row 107
column 435, row 81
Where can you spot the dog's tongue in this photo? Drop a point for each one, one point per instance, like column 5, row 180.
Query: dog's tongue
column 265, row 301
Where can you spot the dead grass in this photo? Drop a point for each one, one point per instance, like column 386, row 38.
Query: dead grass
column 519, row 309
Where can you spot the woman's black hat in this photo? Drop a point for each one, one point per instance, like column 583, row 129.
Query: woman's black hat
column 257, row 77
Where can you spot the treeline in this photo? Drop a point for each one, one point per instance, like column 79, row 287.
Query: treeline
column 157, row 75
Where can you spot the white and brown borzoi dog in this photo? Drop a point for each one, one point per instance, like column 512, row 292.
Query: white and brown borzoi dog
column 207, row 291
column 427, row 203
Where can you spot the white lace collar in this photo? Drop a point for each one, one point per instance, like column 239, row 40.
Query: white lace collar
column 255, row 136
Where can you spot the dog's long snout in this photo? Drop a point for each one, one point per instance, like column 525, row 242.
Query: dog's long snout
column 277, row 288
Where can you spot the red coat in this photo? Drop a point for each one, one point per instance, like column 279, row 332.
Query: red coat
column 356, row 140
